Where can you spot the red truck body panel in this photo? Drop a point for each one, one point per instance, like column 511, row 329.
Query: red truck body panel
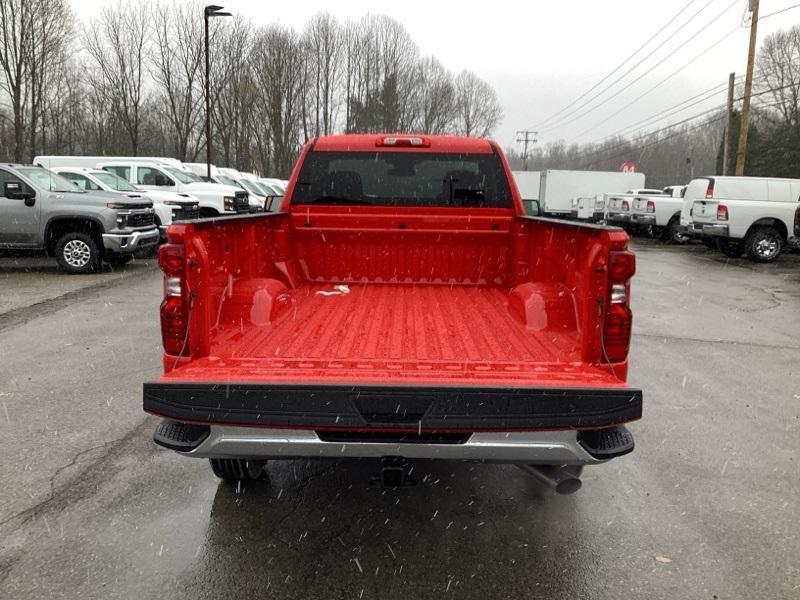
column 440, row 297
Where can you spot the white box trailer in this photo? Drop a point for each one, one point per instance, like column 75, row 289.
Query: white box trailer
column 579, row 194
column 528, row 185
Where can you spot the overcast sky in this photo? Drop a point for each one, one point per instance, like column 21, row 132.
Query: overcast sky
column 540, row 56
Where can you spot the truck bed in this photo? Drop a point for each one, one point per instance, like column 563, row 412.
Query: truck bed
column 383, row 333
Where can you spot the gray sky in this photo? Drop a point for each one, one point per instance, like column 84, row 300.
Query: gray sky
column 540, row 56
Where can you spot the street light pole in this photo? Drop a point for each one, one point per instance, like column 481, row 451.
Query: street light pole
column 209, row 11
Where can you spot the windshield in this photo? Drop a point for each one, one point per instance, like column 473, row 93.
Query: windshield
column 402, row 179
column 47, row 180
column 251, row 187
column 227, row 181
column 114, row 181
column 182, row 176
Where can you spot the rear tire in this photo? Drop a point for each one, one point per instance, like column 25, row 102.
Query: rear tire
column 674, row 233
column 763, row 244
column 77, row 253
column 234, row 470
column 730, row 248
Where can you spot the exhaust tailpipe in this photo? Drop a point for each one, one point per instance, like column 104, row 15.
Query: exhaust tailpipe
column 558, row 478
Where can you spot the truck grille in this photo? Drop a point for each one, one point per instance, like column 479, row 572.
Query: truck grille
column 140, row 219
column 242, row 204
column 187, row 213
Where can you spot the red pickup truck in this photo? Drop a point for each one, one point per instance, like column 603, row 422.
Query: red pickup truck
column 399, row 304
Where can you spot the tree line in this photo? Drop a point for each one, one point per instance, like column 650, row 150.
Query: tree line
column 673, row 155
column 130, row 81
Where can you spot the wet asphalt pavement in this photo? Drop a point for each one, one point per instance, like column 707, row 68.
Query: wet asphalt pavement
column 707, row 506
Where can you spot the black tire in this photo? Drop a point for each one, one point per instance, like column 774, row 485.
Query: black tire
column 730, row 248
column 234, row 470
column 119, row 260
column 763, row 244
column 77, row 253
column 674, row 234
column 710, row 243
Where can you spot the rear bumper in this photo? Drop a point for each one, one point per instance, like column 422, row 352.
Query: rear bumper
column 714, row 230
column 619, row 218
column 394, row 409
column 643, row 219
column 529, row 447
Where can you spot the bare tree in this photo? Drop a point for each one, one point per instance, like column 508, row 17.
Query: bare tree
column 477, row 109
column 323, row 45
column 778, row 75
column 178, row 74
column 277, row 64
column 435, row 98
column 118, row 41
column 15, row 32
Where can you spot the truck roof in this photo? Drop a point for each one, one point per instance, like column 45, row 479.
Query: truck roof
column 381, row 142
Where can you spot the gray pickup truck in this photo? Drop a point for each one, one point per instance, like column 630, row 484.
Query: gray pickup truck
column 40, row 210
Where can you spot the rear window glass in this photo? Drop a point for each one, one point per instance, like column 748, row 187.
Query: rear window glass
column 402, row 179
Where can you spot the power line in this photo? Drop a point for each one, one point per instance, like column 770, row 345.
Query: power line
column 664, row 80
column 571, row 115
column 777, row 12
column 619, row 66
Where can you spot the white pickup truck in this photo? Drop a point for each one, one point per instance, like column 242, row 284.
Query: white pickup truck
column 214, row 199
column 168, row 206
column 618, row 206
column 661, row 212
column 756, row 216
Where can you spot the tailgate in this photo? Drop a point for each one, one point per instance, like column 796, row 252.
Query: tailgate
column 640, row 205
column 704, row 211
column 397, row 408
column 615, row 204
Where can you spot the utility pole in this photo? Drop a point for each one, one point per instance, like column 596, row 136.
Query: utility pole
column 748, row 87
column 209, row 11
column 728, row 117
column 526, row 137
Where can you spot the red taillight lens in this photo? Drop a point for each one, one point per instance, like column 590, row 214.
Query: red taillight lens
column 622, row 266
column 710, row 189
column 170, row 259
column 174, row 309
column 722, row 213
column 651, row 206
column 617, row 332
column 173, row 326
column 625, row 205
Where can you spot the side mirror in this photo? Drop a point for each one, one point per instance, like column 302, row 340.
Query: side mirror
column 532, row 208
column 15, row 190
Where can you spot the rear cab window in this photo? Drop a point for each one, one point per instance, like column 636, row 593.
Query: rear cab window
column 402, row 179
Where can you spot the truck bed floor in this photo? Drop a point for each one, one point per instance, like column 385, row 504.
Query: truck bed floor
column 397, row 334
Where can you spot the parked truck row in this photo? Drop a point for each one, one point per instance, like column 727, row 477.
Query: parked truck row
column 753, row 216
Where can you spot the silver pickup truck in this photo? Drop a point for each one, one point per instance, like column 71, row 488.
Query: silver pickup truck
column 40, row 210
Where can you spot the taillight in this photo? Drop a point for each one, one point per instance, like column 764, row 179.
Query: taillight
column 625, row 205
column 618, row 318
column 722, row 212
column 174, row 308
column 651, row 206
column 710, row 189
